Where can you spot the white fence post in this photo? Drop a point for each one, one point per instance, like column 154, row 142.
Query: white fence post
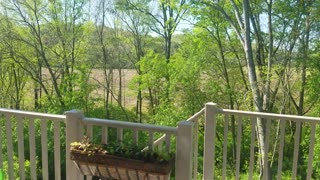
column 73, row 133
column 184, row 151
column 209, row 137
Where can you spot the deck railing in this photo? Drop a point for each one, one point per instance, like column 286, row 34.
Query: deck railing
column 230, row 143
column 46, row 131
column 77, row 125
column 13, row 129
column 197, row 119
column 278, row 129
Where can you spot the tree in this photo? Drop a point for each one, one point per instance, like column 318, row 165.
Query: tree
column 110, row 56
column 13, row 79
column 163, row 19
column 53, row 37
column 135, row 24
column 269, row 51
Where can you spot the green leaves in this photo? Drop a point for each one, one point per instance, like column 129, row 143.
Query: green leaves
column 130, row 151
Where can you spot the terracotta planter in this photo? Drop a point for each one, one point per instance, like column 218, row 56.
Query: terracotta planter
column 109, row 166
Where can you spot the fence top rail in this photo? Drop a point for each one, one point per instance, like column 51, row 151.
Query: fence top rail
column 130, row 125
column 34, row 115
column 269, row 115
column 196, row 116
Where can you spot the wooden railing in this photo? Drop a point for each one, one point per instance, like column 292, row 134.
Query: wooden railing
column 15, row 127
column 278, row 127
column 77, row 126
column 196, row 119
column 39, row 127
column 227, row 132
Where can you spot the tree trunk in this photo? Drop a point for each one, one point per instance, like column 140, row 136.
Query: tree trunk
column 261, row 129
column 120, row 87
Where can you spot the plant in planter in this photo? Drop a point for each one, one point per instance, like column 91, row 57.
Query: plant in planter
column 117, row 161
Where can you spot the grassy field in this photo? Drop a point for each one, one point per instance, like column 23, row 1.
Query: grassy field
column 96, row 78
column 129, row 96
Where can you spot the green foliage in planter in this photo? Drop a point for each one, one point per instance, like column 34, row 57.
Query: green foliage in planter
column 126, row 151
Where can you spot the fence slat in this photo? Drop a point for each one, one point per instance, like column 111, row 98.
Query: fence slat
column 195, row 149
column 32, row 147
column 168, row 142
column 1, row 158
column 104, row 135
column 239, row 136
column 44, row 149
column 296, row 150
column 281, row 146
column 21, row 147
column 9, row 146
column 89, row 132
column 120, row 135
column 151, row 139
column 252, row 145
column 225, row 145
column 57, row 156
column 311, row 149
column 266, row 149
column 135, row 136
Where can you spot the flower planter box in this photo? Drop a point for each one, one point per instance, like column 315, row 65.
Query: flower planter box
column 113, row 167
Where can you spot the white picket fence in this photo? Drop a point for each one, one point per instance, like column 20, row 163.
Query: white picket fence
column 276, row 129
column 213, row 125
column 74, row 126
column 16, row 124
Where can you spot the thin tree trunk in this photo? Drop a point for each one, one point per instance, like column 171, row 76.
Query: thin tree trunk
column 139, row 106
column 151, row 101
column 120, row 87
column 229, row 92
column 266, row 97
column 254, row 88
